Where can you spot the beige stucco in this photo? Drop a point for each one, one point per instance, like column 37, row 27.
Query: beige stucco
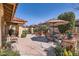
column 21, row 29
column 77, row 29
column 32, row 30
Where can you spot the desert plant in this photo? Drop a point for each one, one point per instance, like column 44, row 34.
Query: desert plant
column 59, row 50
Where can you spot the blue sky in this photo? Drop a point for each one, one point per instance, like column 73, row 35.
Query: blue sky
column 35, row 13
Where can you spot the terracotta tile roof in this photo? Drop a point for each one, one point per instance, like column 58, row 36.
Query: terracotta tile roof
column 18, row 20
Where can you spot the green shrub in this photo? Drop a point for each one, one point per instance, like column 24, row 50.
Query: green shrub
column 24, row 33
column 7, row 50
column 9, row 53
column 43, row 28
column 4, row 42
column 59, row 50
column 35, row 29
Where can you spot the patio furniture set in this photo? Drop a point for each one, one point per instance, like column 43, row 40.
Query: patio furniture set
column 67, row 40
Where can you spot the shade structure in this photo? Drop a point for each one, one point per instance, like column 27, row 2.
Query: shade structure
column 54, row 23
column 17, row 21
column 57, row 22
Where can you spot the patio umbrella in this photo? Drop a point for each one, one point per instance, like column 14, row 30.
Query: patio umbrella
column 55, row 23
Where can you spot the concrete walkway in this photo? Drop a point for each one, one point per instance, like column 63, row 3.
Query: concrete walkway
column 27, row 47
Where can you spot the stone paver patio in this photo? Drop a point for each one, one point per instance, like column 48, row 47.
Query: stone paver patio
column 32, row 48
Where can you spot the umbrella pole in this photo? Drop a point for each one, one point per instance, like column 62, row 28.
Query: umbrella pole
column 53, row 31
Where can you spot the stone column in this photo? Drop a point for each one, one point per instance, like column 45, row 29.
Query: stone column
column 0, row 33
column 1, row 17
column 31, row 30
column 17, row 29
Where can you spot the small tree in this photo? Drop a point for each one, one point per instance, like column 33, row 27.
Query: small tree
column 43, row 27
column 35, row 29
column 67, row 16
